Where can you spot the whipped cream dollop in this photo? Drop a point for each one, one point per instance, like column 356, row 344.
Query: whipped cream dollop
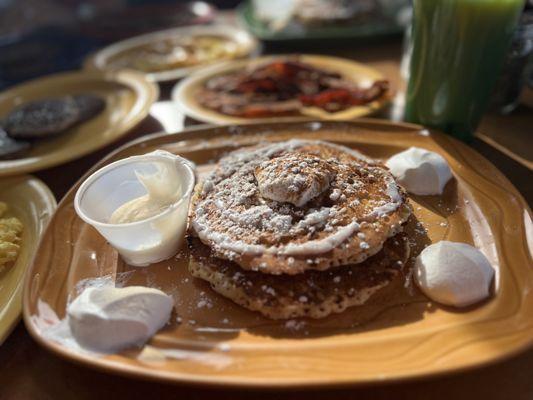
column 454, row 274
column 293, row 178
column 109, row 319
column 420, row 171
column 163, row 189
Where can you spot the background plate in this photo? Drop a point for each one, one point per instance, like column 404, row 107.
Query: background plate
column 397, row 335
column 128, row 97
column 33, row 204
column 185, row 92
column 248, row 46
column 382, row 24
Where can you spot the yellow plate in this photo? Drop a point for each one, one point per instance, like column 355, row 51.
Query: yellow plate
column 33, row 204
column 184, row 94
column 394, row 336
column 128, row 97
column 247, row 45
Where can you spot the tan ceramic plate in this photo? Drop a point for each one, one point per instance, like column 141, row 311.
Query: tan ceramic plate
column 33, row 204
column 247, row 45
column 397, row 335
column 128, row 97
column 185, row 92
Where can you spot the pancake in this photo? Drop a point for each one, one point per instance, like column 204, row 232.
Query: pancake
column 314, row 294
column 89, row 106
column 289, row 207
column 42, row 118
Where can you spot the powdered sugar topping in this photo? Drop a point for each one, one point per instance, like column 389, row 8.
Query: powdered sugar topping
column 290, row 199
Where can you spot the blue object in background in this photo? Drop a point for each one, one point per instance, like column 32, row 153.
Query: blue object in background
column 41, row 52
column 41, row 37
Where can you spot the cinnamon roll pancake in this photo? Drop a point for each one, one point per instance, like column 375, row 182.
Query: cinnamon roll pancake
column 314, row 294
column 290, row 207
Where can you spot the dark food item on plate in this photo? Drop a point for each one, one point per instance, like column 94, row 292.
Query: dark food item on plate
column 11, row 148
column 89, row 106
column 283, row 88
column 49, row 117
column 42, row 118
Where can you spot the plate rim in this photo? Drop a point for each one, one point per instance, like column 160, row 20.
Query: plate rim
column 146, row 94
column 180, row 97
column 206, row 380
column 16, row 300
column 94, row 61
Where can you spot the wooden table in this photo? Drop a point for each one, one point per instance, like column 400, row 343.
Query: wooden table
column 29, row 372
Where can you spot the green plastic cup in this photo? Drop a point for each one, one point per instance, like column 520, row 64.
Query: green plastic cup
column 458, row 48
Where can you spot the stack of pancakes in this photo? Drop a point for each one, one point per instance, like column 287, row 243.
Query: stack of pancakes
column 298, row 228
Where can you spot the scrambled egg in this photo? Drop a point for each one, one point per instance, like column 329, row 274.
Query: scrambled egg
column 10, row 236
column 179, row 52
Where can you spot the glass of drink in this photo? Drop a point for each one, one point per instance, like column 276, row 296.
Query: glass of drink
column 458, row 47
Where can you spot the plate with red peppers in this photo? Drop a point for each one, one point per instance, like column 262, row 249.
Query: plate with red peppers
column 282, row 87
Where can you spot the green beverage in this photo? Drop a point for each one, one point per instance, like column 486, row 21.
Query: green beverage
column 458, row 47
